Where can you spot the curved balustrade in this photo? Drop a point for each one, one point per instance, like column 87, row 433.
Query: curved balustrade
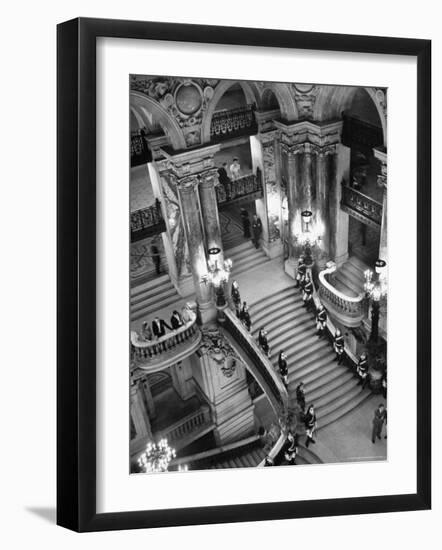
column 259, row 364
column 347, row 309
column 167, row 350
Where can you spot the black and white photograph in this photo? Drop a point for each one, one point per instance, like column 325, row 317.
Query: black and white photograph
column 258, row 274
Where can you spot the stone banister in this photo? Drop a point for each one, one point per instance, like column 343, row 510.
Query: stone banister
column 347, row 309
column 159, row 353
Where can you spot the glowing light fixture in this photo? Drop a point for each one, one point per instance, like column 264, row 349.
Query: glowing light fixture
column 156, row 457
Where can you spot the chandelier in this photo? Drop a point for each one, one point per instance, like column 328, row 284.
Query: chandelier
column 156, row 457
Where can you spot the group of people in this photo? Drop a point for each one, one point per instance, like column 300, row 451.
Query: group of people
column 255, row 226
column 241, row 309
column 157, row 328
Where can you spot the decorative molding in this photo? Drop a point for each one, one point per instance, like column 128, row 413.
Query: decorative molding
column 305, row 98
column 215, row 345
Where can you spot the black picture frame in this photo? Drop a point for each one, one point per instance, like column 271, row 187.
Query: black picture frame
column 76, row 274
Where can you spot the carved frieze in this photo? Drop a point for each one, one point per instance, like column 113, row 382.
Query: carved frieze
column 215, row 345
column 305, row 97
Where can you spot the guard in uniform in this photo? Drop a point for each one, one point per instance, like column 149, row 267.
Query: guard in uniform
column 338, row 345
column 307, row 295
column 236, row 297
column 310, row 425
column 321, row 321
column 362, row 370
column 245, row 316
column 263, row 342
column 283, row 367
column 300, row 396
column 291, row 448
column 300, row 273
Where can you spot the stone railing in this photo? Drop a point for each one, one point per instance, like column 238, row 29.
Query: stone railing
column 233, row 122
column 361, row 207
column 146, row 222
column 174, row 346
column 191, row 424
column 257, row 362
column 249, row 186
column 348, row 310
column 139, row 153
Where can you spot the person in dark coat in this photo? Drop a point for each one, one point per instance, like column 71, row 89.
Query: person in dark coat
column 156, row 257
column 146, row 331
column 263, row 342
column 224, row 179
column 380, row 417
column 245, row 223
column 236, row 297
column 310, row 425
column 159, row 327
column 245, row 316
column 300, row 273
column 176, row 320
column 283, row 367
column 256, row 230
column 362, row 370
column 338, row 345
column 300, row 396
column 321, row 321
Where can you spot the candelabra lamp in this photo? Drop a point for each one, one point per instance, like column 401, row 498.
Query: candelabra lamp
column 375, row 287
column 307, row 238
column 156, row 457
column 218, row 274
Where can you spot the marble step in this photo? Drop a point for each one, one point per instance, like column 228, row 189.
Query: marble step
column 151, row 285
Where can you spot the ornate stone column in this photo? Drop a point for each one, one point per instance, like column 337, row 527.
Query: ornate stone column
column 138, row 412
column 209, row 209
column 323, row 155
column 338, row 218
column 188, row 194
column 381, row 155
column 292, row 166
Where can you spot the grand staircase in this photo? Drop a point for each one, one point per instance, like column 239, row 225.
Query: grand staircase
column 151, row 296
column 349, row 279
column 245, row 257
column 332, row 388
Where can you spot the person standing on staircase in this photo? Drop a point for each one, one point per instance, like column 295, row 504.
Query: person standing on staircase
column 362, row 370
column 300, row 273
column 321, row 321
column 300, row 396
column 156, row 256
column 338, row 345
column 245, row 223
column 263, row 342
column 245, row 316
column 236, row 297
column 290, row 449
column 256, row 230
column 283, row 367
column 224, row 179
column 310, row 425
column 307, row 296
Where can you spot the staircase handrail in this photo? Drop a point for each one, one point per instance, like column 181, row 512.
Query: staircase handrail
column 260, row 365
column 331, row 268
column 203, row 413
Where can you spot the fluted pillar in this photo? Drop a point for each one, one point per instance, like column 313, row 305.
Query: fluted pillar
column 209, row 210
column 292, row 184
column 138, row 412
column 381, row 155
column 338, row 218
column 322, row 203
column 188, row 194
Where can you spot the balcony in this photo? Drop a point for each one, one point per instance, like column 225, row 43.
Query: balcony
column 249, row 186
column 168, row 350
column 233, row 123
column 147, row 222
column 139, row 152
column 349, row 310
column 358, row 132
column 361, row 207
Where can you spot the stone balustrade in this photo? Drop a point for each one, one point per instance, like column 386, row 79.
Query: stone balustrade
column 147, row 221
column 348, row 310
column 163, row 352
column 361, row 206
column 233, row 122
column 194, row 422
column 246, row 186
